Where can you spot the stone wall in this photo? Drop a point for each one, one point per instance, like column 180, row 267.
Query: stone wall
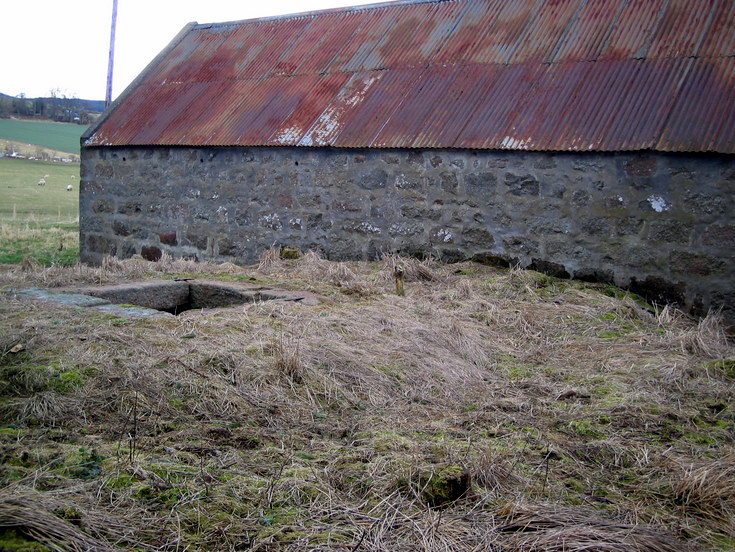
column 660, row 224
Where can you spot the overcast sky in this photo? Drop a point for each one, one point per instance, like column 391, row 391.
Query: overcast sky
column 64, row 44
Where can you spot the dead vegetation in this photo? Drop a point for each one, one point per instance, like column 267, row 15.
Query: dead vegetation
column 486, row 409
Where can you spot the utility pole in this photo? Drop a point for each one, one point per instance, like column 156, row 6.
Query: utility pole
column 108, row 95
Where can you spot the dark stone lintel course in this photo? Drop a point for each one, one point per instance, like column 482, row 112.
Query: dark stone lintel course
column 663, row 219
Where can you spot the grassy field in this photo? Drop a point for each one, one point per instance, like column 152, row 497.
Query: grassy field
column 56, row 136
column 39, row 221
column 487, row 409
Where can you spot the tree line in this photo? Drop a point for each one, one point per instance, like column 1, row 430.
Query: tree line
column 56, row 107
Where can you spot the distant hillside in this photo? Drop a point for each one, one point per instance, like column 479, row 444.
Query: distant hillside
column 59, row 109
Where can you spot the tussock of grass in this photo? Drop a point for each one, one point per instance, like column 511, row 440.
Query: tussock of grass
column 558, row 530
column 707, row 489
column 31, row 519
column 370, row 421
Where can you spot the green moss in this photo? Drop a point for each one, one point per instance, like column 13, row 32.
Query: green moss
column 70, row 514
column 175, row 473
column 22, row 379
column 122, row 481
column 12, row 541
column 280, row 516
column 575, row 485
column 386, row 441
column 393, row 371
column 69, row 380
column 443, row 485
column 723, row 542
column 178, row 404
column 707, row 439
column 723, row 366
column 85, row 464
column 171, row 496
column 145, row 492
column 518, row 373
column 584, row 428
column 291, row 253
column 617, row 293
column 160, row 495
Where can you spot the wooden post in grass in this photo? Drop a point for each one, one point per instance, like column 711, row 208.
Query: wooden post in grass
column 398, row 273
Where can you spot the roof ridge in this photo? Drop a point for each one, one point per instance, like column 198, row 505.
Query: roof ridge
column 313, row 13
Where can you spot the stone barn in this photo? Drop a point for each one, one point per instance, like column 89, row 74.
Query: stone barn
column 592, row 139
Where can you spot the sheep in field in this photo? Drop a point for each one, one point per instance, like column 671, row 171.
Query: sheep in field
column 69, row 188
column 42, row 182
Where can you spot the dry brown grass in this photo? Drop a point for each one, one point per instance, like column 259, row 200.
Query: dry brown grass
column 559, row 530
column 286, row 426
column 26, row 514
column 707, row 489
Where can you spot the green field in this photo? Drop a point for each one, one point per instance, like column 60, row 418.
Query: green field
column 41, row 222
column 57, row 136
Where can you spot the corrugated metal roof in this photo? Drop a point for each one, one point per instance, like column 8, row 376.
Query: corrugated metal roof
column 560, row 75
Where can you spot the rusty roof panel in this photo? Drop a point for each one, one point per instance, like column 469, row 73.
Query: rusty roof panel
column 200, row 51
column 360, row 53
column 601, row 75
column 505, row 32
column 589, row 31
column 720, row 40
column 549, row 25
column 399, row 45
column 193, row 124
column 703, row 117
column 314, row 95
column 546, row 104
column 682, row 29
column 629, row 120
column 428, row 92
column 490, row 125
column 458, row 104
column 315, row 51
column 331, row 121
column 632, row 34
column 380, row 104
column 276, row 39
column 465, row 30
